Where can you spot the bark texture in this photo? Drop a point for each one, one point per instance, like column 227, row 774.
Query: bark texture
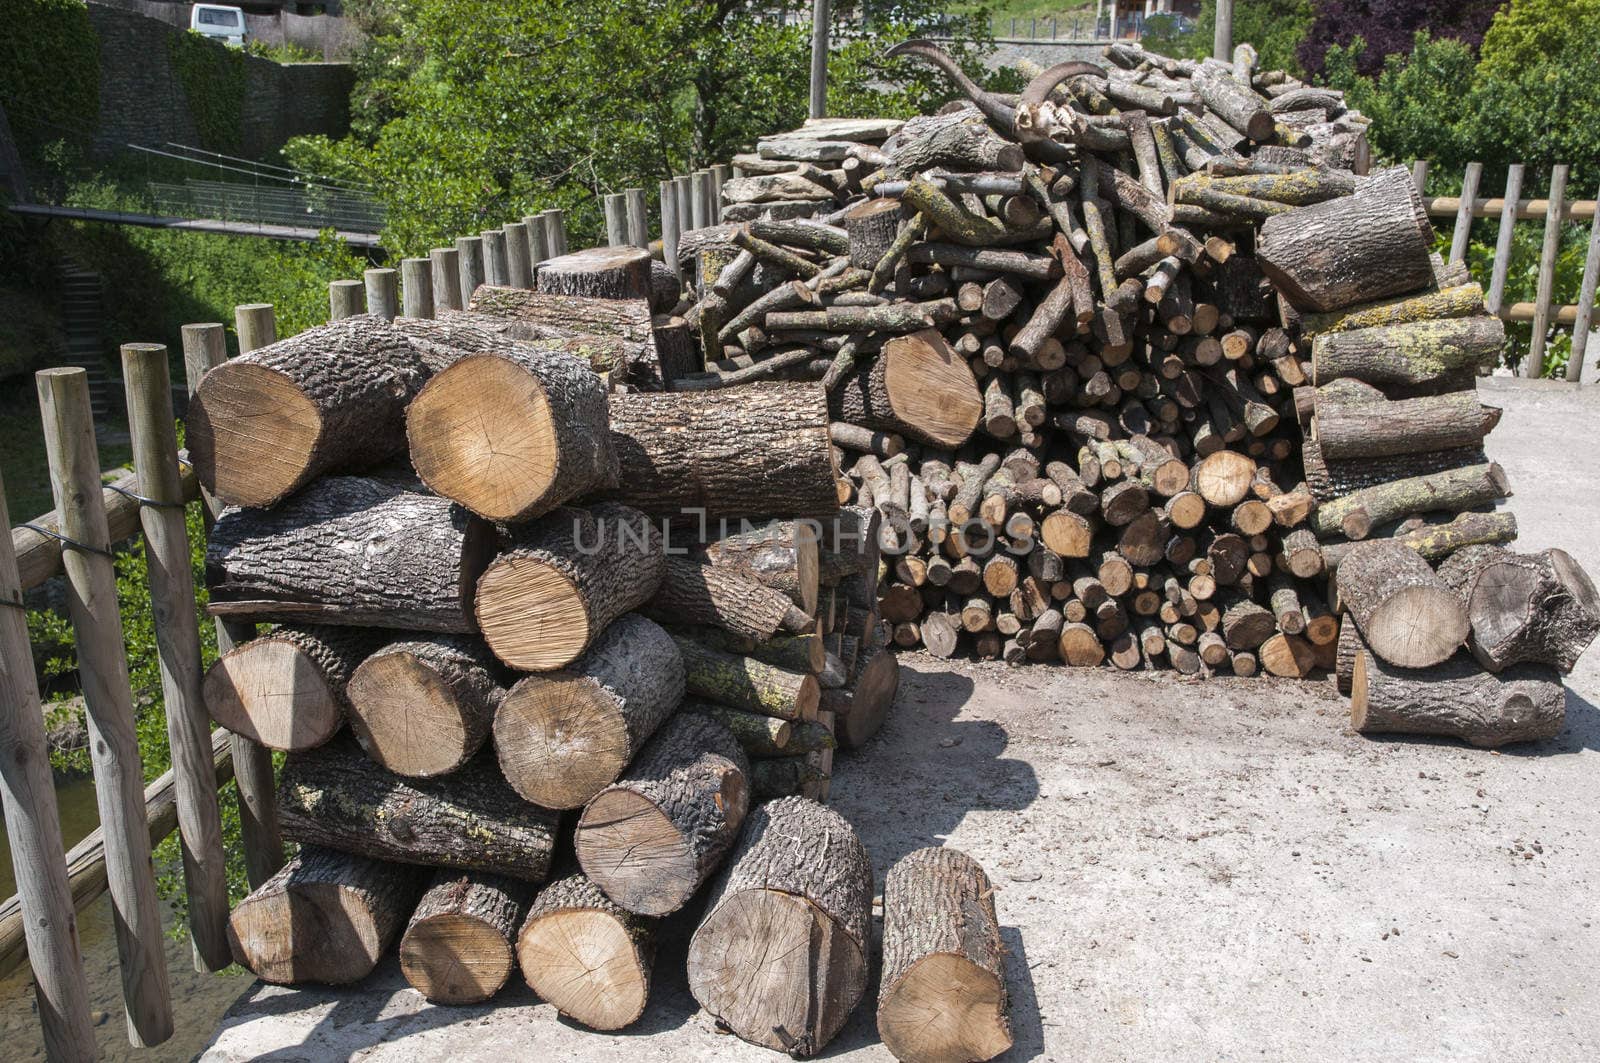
column 782, row 554
column 1414, row 353
column 1356, row 514
column 599, row 272
column 1407, row 614
column 1524, row 608
column 1525, row 703
column 747, row 683
column 694, row 592
column 648, row 362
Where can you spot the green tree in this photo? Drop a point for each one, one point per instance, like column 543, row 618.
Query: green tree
column 1275, row 27
column 1417, row 104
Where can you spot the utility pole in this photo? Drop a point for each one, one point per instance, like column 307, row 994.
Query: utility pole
column 1222, row 47
column 819, row 58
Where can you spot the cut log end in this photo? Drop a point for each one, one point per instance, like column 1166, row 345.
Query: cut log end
column 931, row 388
column 532, row 615
column 402, row 712
column 226, row 434
column 633, row 850
column 271, row 692
column 452, row 958
column 567, row 740
column 584, row 961
column 875, row 687
column 945, row 1009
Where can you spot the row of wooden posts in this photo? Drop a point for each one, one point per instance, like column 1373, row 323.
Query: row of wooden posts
column 1557, row 211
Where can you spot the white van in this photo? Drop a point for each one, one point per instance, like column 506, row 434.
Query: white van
column 216, row 20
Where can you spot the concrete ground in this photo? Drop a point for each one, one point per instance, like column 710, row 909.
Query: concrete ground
column 1196, row 871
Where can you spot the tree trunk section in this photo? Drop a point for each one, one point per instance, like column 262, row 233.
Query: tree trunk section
column 564, row 579
column 784, row 555
column 652, row 838
column 564, row 736
column 1329, row 480
column 1438, row 541
column 872, row 227
column 871, row 691
column 1524, row 608
column 352, row 551
column 919, row 387
column 747, row 683
column 1407, row 614
column 1346, row 430
column 1356, row 514
column 652, row 360
column 693, row 592
column 422, row 707
column 942, row 998
column 334, row 796
column 780, row 957
column 326, row 917
column 457, row 948
column 587, row 955
column 600, row 273
column 1411, row 354
column 1524, row 703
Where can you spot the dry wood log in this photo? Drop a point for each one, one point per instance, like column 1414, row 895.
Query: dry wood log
column 1524, row 703
column 741, row 452
column 780, row 957
column 742, row 682
column 423, row 707
column 694, row 592
column 457, row 949
column 287, row 689
column 1348, row 430
column 1288, row 656
column 1463, row 300
column 1356, row 514
column 1406, row 613
column 326, row 917
column 510, row 431
column 1438, row 541
column 1234, row 103
column 961, row 140
column 757, row 735
column 1331, row 479
column 562, row 737
column 646, row 358
column 334, row 796
column 563, row 579
column 918, row 387
column 651, row 838
column 331, row 399
column 943, row 993
column 601, row 272
column 351, row 551
column 871, row 228
column 871, row 694
column 586, row 954
column 1524, row 608
column 1351, row 250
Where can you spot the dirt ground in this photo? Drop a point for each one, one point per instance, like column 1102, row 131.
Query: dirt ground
column 1188, row 870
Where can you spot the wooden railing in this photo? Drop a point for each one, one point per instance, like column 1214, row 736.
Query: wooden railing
column 1555, row 210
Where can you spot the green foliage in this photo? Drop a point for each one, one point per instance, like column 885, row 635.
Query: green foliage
column 213, row 80
column 1417, row 105
column 1275, row 27
column 466, row 114
column 281, row 53
column 49, row 70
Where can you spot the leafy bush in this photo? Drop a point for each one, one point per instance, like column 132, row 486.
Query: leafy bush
column 49, row 70
column 213, row 80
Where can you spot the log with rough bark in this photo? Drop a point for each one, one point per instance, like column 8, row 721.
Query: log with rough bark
column 870, row 695
column 918, row 387
column 748, row 683
column 586, row 954
column 695, row 592
column 1410, row 354
column 335, row 796
column 1438, row 541
column 422, row 707
column 563, row 579
column 1329, row 480
column 780, row 957
column 872, row 227
column 353, row 551
column 457, row 949
column 1457, row 698
column 1407, row 614
column 747, row 451
column 601, row 272
column 650, row 361
column 654, row 836
column 1524, row 608
column 961, row 140
column 943, row 992
column 510, row 430
column 331, row 399
column 326, row 917
column 1350, row 250
column 1356, row 514
column 782, row 554
column 1463, row 300
column 561, row 737
column 288, row 689
column 1379, row 429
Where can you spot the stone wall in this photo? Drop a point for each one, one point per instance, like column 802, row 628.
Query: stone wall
column 142, row 99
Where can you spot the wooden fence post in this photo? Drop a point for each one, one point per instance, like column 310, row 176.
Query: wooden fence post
column 254, row 325
column 103, row 668
column 33, row 827
column 616, row 211
column 416, row 287
column 446, row 263
column 517, row 254
column 1585, row 317
column 819, row 58
column 204, row 348
column 555, row 230
column 638, row 218
column 469, row 252
column 700, row 198
column 1502, row 247
column 719, row 177
column 383, row 293
column 172, row 601
column 1222, row 40
column 346, row 299
column 496, row 266
column 1533, row 366
column 1419, row 175
column 538, row 244
column 669, row 224
column 1463, row 230
column 683, row 189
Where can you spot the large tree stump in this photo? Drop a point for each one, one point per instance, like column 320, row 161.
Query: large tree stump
column 917, row 386
column 649, row 360
column 331, row 399
column 422, row 707
column 1407, row 614
column 780, row 957
column 1351, row 250
column 1410, row 354
column 325, row 917
column 288, row 689
column 782, row 554
column 587, row 955
column 747, row 683
column 650, row 839
column 1356, row 514
column 563, row 579
column 743, row 451
column 564, row 736
column 1347, row 430
column 1524, row 608
column 457, row 948
column 1524, row 703
column 942, row 998
column 509, row 430
column 335, row 796
column 694, row 592
column 600, row 272
column 353, row 551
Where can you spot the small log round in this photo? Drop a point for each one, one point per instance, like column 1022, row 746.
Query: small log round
column 1407, row 615
column 587, row 955
column 288, row 689
column 422, row 708
column 457, row 947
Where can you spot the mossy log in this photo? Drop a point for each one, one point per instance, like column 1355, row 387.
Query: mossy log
column 757, row 735
column 747, row 683
column 1356, row 514
column 783, row 554
column 1415, row 353
column 1436, row 542
column 1350, row 430
column 1462, row 300
column 586, row 954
